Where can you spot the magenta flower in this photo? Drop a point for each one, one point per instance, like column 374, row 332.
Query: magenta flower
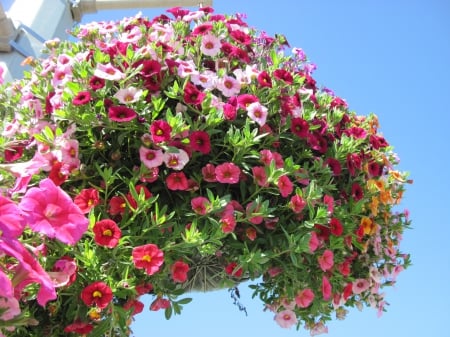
column 177, row 181
column 160, row 131
column 200, row 205
column 260, row 176
column 121, row 114
column 11, row 220
column 50, row 210
column 227, row 173
column 285, row 186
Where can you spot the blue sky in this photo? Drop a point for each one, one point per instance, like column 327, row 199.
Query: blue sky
column 387, row 57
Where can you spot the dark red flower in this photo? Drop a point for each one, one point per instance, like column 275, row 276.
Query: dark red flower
column 357, row 192
column 299, row 127
column 334, row 165
column 199, row 141
column 264, row 79
column 283, row 75
column 98, row 294
column 336, row 227
column 121, row 114
column 230, row 270
column 354, row 162
column 241, row 37
column 377, row 142
column 96, row 83
column 374, row 169
column 106, row 233
column 82, row 98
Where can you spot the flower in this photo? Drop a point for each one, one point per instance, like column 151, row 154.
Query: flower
column 49, row 210
column 98, row 294
column 107, row 233
column 179, row 271
column 182, row 153
column 148, row 257
column 286, row 318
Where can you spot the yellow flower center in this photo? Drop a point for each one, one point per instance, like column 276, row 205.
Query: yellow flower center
column 147, row 258
column 107, row 232
column 97, row 294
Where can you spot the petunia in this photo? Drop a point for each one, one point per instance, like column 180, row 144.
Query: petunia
column 357, row 192
column 192, row 95
column 257, row 113
column 82, row 98
column 304, row 298
column 79, row 327
column 179, row 271
column 299, row 127
column 97, row 294
column 177, row 181
column 297, row 203
column 227, row 173
column 314, row 242
column 209, row 173
column 336, row 227
column 228, row 85
column 228, row 223
column 159, row 303
column 64, row 271
column 128, row 95
column 260, row 176
column 134, row 304
column 318, row 329
column 150, row 158
column 106, row 233
column 50, row 210
column 87, row 199
column 200, row 205
column 11, row 221
column 148, row 257
column 210, row 44
column 121, row 114
column 264, row 79
column 175, row 159
column 108, row 72
column 199, row 141
column 326, row 260
column 233, row 270
column 360, row 285
column 160, row 131
column 286, row 318
column 326, row 288
column 285, row 186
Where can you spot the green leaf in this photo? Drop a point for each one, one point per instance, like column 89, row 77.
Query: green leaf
column 168, row 312
column 185, row 300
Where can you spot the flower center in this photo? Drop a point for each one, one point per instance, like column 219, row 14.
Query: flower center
column 107, row 232
column 146, row 258
column 97, row 294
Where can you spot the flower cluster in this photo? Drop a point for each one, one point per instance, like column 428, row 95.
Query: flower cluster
column 188, row 153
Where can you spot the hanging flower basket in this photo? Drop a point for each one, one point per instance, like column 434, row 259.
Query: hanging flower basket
column 188, row 153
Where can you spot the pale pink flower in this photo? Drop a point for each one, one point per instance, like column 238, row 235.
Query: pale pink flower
column 229, row 86
column 108, row 72
column 210, row 45
column 131, row 36
column 151, row 158
column 318, row 329
column 227, row 173
column 186, row 68
column 326, row 260
column 304, row 298
column 50, row 210
column 286, row 318
column 206, row 79
column 360, row 285
column 245, row 76
column 128, row 95
column 257, row 113
column 176, row 159
column 9, row 307
column 61, row 76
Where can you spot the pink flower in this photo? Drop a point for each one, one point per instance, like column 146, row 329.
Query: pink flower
column 318, row 329
column 160, row 131
column 227, row 173
column 329, row 201
column 286, row 318
column 260, row 176
column 11, row 221
column 28, row 271
column 228, row 223
column 64, row 272
column 210, row 45
column 360, row 285
column 314, row 242
column 148, row 257
column 251, row 211
column 297, row 203
column 209, row 173
column 200, row 205
column 150, row 158
column 49, row 210
column 257, row 113
column 326, row 261
column 326, row 288
column 108, row 72
column 176, row 159
column 159, row 303
column 179, row 271
column 121, row 114
column 285, row 186
column 177, row 181
column 304, row 298
column 229, row 86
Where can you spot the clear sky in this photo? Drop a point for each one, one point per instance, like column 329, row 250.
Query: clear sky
column 390, row 57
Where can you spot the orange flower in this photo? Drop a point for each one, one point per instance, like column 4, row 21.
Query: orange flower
column 374, row 205
column 368, row 225
column 386, row 197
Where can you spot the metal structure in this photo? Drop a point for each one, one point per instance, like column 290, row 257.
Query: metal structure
column 27, row 24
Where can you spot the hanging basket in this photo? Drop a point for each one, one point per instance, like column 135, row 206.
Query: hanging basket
column 188, row 152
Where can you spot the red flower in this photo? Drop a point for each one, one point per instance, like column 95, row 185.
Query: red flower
column 354, row 162
column 283, row 75
column 336, row 227
column 299, row 127
column 79, row 327
column 199, row 141
column 285, row 185
column 134, row 304
column 179, row 271
column 82, row 98
column 87, row 199
column 357, row 192
column 13, row 153
column 192, row 95
column 139, row 189
column 160, row 131
column 228, row 223
column 56, row 175
column 121, row 114
column 117, row 205
column 230, row 270
column 148, row 257
column 98, row 294
column 159, row 303
column 107, row 233
column 177, row 181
